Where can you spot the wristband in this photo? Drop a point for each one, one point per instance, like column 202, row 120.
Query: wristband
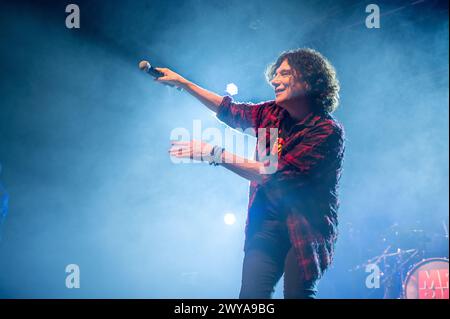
column 216, row 155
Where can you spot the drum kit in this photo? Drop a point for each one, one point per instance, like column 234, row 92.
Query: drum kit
column 409, row 272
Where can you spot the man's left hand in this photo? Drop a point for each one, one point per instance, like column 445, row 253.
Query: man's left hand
column 197, row 150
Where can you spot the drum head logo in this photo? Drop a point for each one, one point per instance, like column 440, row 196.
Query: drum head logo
column 428, row 280
column 433, row 284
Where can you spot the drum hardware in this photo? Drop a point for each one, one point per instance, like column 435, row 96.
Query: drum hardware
column 404, row 272
column 392, row 267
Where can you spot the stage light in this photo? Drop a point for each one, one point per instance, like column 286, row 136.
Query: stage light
column 229, row 218
column 232, row 89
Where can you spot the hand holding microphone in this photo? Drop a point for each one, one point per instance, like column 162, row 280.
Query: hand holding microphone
column 168, row 77
column 163, row 75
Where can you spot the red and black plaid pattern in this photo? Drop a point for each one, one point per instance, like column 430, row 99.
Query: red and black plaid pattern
column 304, row 188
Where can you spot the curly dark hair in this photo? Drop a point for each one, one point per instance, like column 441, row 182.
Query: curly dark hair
column 316, row 71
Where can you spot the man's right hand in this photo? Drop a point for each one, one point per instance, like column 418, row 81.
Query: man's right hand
column 170, row 78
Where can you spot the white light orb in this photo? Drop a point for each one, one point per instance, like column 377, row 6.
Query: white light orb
column 229, row 218
column 232, row 89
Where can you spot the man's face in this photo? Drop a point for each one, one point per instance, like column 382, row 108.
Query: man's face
column 287, row 84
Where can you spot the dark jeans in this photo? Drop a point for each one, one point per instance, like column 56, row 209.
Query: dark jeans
column 265, row 261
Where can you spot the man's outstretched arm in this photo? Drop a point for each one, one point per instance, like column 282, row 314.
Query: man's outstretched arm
column 236, row 115
column 208, row 98
column 201, row 151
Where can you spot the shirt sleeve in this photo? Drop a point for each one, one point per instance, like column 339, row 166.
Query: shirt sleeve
column 240, row 115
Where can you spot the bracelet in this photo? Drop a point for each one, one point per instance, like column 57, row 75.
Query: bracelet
column 216, row 155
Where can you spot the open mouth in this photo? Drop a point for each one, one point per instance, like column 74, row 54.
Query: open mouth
column 279, row 91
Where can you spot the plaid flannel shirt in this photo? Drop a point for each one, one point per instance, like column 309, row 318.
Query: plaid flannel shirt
column 304, row 187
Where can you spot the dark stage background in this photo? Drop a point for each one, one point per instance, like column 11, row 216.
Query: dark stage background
column 84, row 138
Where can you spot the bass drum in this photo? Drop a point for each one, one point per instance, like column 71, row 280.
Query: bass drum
column 427, row 279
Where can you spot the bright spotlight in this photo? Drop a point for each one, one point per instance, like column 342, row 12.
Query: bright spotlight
column 232, row 89
column 229, row 218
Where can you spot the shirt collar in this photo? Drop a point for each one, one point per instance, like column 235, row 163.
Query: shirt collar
column 309, row 120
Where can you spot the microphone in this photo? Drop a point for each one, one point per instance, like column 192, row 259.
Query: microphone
column 147, row 68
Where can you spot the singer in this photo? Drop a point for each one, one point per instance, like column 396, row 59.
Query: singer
column 292, row 221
